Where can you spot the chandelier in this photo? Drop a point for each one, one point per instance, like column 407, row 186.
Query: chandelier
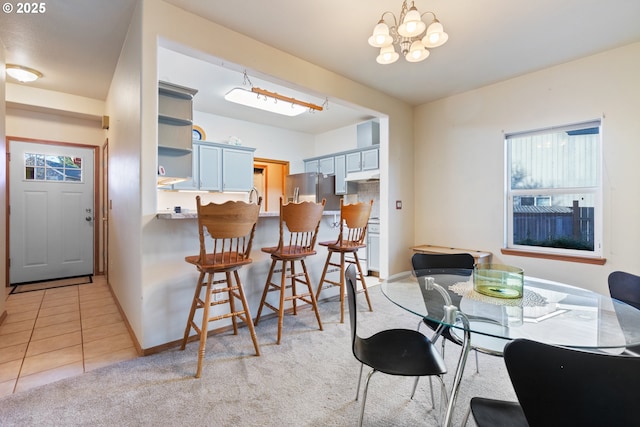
column 409, row 37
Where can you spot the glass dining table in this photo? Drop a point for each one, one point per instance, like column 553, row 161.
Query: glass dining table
column 549, row 312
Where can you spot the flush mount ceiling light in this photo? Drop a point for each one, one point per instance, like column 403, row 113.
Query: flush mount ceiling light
column 409, row 37
column 269, row 101
column 22, row 74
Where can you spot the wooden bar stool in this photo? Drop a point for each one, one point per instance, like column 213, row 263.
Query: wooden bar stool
column 230, row 228
column 299, row 224
column 353, row 230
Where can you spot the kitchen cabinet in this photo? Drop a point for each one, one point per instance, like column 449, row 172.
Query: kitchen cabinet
column 326, row 165
column 363, row 160
column 219, row 167
column 343, row 163
column 373, row 246
column 341, row 173
column 175, row 111
column 237, row 169
column 311, row 166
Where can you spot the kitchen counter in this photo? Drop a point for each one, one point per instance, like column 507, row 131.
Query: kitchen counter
column 194, row 215
column 176, row 237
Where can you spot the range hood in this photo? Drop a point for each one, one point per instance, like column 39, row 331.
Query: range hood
column 363, row 176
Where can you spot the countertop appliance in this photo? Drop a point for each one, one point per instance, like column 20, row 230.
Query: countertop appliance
column 312, row 187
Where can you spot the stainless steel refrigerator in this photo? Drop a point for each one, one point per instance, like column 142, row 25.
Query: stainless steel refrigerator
column 313, row 187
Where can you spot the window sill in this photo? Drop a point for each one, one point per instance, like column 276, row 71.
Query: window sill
column 570, row 258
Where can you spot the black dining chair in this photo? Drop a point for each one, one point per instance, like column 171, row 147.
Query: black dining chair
column 422, row 262
column 625, row 287
column 403, row 352
column 559, row 386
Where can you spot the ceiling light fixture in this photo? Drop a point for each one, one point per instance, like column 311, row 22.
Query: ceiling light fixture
column 409, row 36
column 22, row 74
column 269, row 101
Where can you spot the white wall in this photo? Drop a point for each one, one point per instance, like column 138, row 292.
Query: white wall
column 269, row 142
column 459, row 159
column 162, row 21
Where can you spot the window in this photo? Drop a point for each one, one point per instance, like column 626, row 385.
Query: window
column 554, row 190
column 47, row 167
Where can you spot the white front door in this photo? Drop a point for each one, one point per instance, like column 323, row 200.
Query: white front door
column 51, row 216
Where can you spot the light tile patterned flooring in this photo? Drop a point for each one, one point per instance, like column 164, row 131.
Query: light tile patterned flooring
column 57, row 333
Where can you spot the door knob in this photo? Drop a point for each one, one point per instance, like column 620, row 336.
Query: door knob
column 88, row 218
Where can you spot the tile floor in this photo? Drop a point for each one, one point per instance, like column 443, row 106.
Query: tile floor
column 57, row 333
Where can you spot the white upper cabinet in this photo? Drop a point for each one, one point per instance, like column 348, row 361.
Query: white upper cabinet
column 219, row 167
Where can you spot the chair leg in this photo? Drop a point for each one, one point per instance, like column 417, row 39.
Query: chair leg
column 283, row 287
column 294, row 294
column 359, row 380
column 232, row 303
column 364, row 396
column 247, row 314
column 415, row 386
column 265, row 291
column 314, row 303
column 205, row 325
column 192, row 312
column 324, row 273
column 342, row 288
column 465, row 420
column 361, row 274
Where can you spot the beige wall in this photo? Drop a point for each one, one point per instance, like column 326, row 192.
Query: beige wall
column 124, row 106
column 3, row 185
column 459, row 159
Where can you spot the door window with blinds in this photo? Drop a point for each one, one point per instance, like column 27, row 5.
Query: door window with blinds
column 47, row 167
column 554, row 190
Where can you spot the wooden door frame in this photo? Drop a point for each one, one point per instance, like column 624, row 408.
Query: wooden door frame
column 96, row 193
column 263, row 163
column 104, row 213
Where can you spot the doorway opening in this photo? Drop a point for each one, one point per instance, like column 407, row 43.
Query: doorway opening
column 268, row 179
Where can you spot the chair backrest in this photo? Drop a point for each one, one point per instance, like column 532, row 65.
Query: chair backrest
column 228, row 228
column 558, row 386
column 350, row 279
column 625, row 287
column 353, row 223
column 422, row 261
column 299, row 224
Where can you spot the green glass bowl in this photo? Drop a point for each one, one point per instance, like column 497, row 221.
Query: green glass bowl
column 500, row 281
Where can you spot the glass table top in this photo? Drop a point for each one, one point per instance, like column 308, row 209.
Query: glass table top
column 549, row 312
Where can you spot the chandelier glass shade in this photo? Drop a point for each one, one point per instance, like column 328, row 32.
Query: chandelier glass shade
column 409, row 35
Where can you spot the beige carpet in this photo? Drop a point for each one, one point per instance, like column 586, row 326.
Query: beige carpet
column 308, row 380
column 50, row 284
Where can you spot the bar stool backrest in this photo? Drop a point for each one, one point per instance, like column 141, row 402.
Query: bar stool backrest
column 354, row 219
column 229, row 227
column 299, row 224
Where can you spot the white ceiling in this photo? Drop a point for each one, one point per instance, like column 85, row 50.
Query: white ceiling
column 76, row 43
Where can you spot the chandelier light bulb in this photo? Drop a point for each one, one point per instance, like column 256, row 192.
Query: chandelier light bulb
column 388, row 55
column 417, row 52
column 412, row 24
column 435, row 35
column 380, row 36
